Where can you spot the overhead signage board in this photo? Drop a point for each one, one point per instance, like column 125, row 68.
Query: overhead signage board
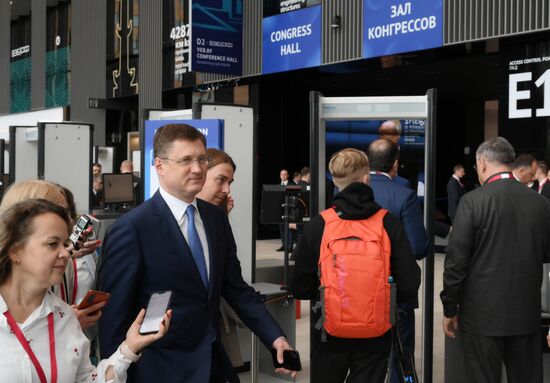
column 212, row 130
column 392, row 26
column 275, row 7
column 217, row 34
column 292, row 40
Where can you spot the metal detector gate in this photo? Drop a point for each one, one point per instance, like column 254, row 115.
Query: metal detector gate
column 357, row 118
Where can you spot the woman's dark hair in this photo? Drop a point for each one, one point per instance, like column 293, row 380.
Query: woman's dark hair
column 216, row 157
column 16, row 227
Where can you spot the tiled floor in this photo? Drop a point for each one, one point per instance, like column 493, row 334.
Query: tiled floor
column 265, row 251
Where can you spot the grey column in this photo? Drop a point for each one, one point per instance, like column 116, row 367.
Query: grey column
column 38, row 54
column 89, row 62
column 150, row 57
column 5, row 52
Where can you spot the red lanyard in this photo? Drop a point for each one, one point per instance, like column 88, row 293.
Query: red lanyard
column 500, row 176
column 25, row 343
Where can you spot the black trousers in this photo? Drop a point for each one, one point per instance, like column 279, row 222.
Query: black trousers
column 521, row 355
column 334, row 366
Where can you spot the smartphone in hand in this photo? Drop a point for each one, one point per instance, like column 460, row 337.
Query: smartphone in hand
column 92, row 297
column 156, row 308
column 291, row 360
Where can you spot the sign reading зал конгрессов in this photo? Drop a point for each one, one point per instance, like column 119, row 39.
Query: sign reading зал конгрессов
column 394, row 26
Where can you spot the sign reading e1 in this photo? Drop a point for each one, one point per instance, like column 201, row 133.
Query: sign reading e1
column 517, row 96
column 292, row 40
column 401, row 26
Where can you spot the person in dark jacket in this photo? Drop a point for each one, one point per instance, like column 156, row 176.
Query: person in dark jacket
column 365, row 360
column 543, row 186
column 455, row 190
column 493, row 272
column 403, row 203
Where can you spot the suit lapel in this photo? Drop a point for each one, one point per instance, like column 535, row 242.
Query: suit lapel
column 172, row 235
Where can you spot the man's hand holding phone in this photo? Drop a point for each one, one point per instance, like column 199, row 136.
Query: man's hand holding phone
column 280, row 345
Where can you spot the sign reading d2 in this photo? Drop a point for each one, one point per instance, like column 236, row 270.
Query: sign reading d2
column 292, row 40
column 217, row 34
column 397, row 26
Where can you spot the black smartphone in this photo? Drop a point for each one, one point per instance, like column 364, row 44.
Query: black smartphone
column 156, row 308
column 291, row 360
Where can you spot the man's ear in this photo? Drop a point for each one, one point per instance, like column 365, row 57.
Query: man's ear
column 366, row 178
column 159, row 165
column 396, row 166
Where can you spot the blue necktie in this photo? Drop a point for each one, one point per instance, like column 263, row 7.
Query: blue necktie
column 195, row 244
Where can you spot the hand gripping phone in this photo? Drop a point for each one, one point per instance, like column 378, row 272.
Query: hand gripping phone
column 82, row 224
column 156, row 308
column 92, row 297
column 291, row 360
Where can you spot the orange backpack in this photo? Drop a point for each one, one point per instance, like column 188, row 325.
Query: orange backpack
column 356, row 284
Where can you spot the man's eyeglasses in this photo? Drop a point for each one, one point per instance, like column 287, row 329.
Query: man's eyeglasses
column 187, row 161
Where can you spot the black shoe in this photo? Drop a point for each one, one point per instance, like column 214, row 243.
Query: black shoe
column 282, row 248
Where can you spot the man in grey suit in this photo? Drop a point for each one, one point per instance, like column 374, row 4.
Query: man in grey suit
column 493, row 271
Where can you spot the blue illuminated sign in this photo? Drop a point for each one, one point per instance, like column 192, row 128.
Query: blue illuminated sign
column 217, row 34
column 212, row 130
column 292, row 40
column 397, row 26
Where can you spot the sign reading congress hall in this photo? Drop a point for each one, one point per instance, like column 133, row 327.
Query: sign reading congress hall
column 217, row 34
column 392, row 26
column 292, row 40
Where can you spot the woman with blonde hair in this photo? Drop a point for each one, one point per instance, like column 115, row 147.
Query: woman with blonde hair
column 39, row 334
column 67, row 290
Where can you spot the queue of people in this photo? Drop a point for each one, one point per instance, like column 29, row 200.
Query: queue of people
column 356, row 262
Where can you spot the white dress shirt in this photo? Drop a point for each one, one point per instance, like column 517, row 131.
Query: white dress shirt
column 72, row 348
column 85, row 271
column 178, row 208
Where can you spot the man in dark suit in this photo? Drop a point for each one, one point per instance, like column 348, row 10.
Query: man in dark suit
column 493, row 272
column 177, row 242
column 455, row 190
column 403, row 203
column 543, row 186
column 524, row 169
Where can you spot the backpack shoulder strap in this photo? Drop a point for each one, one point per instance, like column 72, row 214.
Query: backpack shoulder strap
column 329, row 215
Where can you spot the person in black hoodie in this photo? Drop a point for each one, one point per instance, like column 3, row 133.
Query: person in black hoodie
column 363, row 359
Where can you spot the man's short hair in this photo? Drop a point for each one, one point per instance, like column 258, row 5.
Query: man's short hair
column 497, row 150
column 524, row 161
column 390, row 127
column 345, row 165
column 457, row 167
column 543, row 166
column 166, row 135
column 296, row 174
column 96, row 164
column 382, row 155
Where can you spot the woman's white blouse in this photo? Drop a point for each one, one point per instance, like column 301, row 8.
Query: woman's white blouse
column 71, row 346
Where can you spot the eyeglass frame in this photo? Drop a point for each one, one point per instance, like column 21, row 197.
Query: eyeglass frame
column 188, row 161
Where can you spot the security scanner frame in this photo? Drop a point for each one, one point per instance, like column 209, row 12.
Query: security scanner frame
column 65, row 157
column 23, row 155
column 325, row 109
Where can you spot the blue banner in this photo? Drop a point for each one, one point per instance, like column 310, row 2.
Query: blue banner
column 397, row 26
column 292, row 40
column 217, row 34
column 212, row 130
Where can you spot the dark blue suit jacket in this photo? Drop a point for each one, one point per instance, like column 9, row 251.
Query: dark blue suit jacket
column 403, row 203
column 145, row 253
